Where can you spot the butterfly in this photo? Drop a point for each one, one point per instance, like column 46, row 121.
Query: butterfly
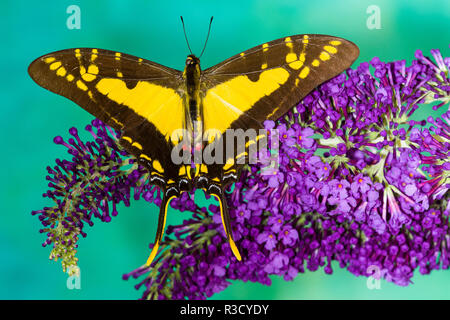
column 156, row 109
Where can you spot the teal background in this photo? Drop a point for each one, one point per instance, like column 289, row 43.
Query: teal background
column 32, row 116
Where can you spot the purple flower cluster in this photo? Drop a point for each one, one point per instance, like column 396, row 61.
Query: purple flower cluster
column 359, row 182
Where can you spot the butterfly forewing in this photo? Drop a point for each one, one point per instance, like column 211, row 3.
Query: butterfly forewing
column 128, row 93
column 269, row 79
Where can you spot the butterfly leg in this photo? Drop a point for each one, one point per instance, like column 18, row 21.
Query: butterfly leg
column 168, row 196
column 226, row 222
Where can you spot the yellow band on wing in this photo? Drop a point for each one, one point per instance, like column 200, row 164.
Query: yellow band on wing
column 151, row 101
column 246, row 93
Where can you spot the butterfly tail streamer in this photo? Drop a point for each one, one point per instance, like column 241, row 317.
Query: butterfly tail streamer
column 160, row 229
column 227, row 225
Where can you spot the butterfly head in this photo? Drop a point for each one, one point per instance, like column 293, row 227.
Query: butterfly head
column 192, row 69
column 192, row 60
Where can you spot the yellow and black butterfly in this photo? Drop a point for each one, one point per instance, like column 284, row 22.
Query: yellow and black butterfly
column 148, row 103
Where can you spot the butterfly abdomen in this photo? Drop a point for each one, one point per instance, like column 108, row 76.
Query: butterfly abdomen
column 193, row 103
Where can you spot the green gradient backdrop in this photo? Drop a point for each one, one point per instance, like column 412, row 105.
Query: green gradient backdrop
column 31, row 117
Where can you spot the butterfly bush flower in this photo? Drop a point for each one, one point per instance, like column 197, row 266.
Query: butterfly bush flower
column 359, row 182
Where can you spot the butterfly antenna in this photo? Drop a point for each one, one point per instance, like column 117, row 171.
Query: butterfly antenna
column 207, row 37
column 185, row 36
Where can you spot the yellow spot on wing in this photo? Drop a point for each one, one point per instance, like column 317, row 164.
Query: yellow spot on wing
column 148, row 100
column 182, row 171
column 61, row 72
column 188, row 170
column 264, row 66
column 335, row 42
column 305, row 39
column 246, row 93
column 118, row 55
column 127, row 139
column 93, row 69
column 157, row 166
column 242, row 54
column 304, row 73
column 315, row 63
column 137, row 145
column 265, row 47
column 94, row 54
column 120, row 74
column 90, row 74
column 116, row 121
column 70, row 77
column 288, row 42
column 88, row 77
column 302, row 57
column 330, row 49
column 145, row 157
column 81, row 85
column 324, row 56
column 55, row 65
column 228, row 164
column 296, row 65
column 291, row 57
column 49, row 59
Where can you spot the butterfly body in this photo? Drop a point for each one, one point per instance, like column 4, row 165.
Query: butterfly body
column 174, row 121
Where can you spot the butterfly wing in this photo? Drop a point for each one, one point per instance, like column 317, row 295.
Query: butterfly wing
column 130, row 94
column 263, row 83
